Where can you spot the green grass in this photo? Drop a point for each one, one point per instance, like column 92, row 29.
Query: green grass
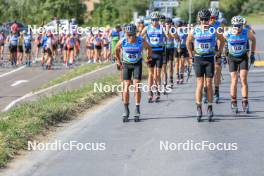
column 72, row 74
column 255, row 18
column 24, row 122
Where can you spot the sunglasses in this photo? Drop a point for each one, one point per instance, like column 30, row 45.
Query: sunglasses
column 155, row 19
column 204, row 19
column 238, row 26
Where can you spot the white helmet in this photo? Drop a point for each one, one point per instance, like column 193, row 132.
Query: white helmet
column 214, row 12
column 237, row 20
column 155, row 15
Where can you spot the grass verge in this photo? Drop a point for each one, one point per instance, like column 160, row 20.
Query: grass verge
column 255, row 18
column 22, row 123
column 72, row 74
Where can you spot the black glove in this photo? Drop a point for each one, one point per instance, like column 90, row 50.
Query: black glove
column 252, row 58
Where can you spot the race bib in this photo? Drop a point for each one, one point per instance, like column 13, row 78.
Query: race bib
column 238, row 48
column 154, row 40
column 205, row 45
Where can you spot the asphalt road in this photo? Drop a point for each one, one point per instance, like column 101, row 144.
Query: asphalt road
column 134, row 148
column 16, row 82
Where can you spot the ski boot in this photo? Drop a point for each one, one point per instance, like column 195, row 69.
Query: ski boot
column 245, row 106
column 150, row 97
column 171, row 82
column 199, row 112
column 164, row 88
column 178, row 79
column 205, row 100
column 157, row 98
column 210, row 113
column 126, row 114
column 234, row 106
column 216, row 98
column 137, row 114
column 181, row 78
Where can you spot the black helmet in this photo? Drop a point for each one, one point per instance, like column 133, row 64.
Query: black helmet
column 204, row 13
column 162, row 17
column 168, row 20
column 131, row 29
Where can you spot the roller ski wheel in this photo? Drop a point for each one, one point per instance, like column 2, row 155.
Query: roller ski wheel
column 125, row 119
column 210, row 113
column 199, row 113
column 137, row 117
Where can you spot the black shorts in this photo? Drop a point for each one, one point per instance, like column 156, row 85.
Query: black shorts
column 157, row 59
column 98, row 47
column 134, row 70
column 70, row 49
column 39, row 45
column 54, row 47
column 13, row 49
column 183, row 53
column 2, row 44
column 236, row 63
column 204, row 67
column 48, row 50
column 28, row 49
column 169, row 55
column 20, row 49
column 89, row 47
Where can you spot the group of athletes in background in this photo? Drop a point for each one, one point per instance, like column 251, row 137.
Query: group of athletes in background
column 201, row 48
column 167, row 51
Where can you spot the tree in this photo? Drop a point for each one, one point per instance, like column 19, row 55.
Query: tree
column 183, row 10
column 253, row 7
column 231, row 7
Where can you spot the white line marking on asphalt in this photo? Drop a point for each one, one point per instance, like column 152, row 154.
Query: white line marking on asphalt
column 18, row 82
column 13, row 103
column 13, row 71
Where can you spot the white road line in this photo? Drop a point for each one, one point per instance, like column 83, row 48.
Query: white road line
column 13, row 103
column 16, row 83
column 13, row 71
